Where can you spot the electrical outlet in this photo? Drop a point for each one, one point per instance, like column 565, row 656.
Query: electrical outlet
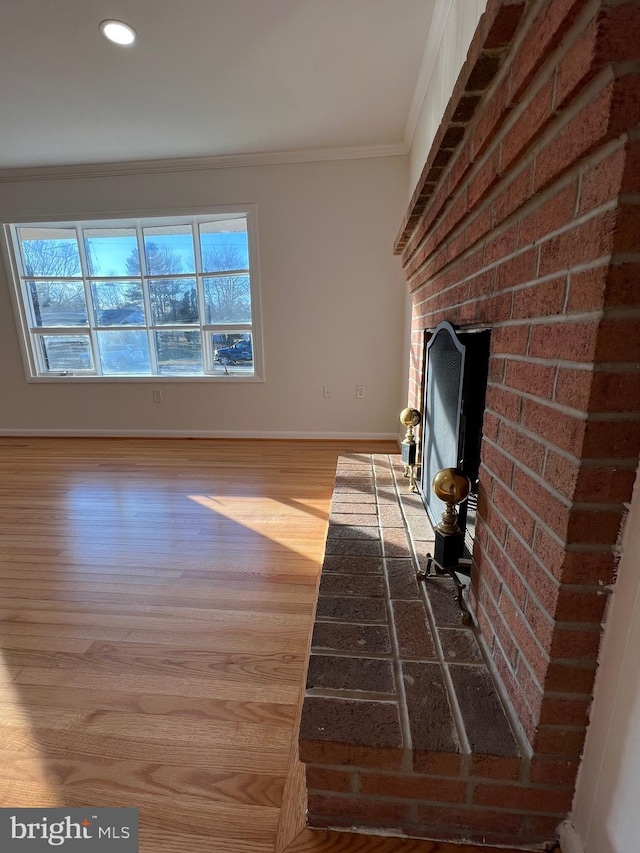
column 157, row 395
column 326, row 392
column 359, row 392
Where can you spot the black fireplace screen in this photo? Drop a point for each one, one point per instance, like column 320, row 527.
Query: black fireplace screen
column 455, row 382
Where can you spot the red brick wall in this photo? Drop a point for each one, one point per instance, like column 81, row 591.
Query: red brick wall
column 527, row 220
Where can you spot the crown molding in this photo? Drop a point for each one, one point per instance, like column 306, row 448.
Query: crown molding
column 192, row 164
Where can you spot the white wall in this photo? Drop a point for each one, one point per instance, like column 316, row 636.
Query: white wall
column 332, row 297
column 455, row 23
column 606, row 809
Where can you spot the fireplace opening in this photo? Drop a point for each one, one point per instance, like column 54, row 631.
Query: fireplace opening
column 456, row 365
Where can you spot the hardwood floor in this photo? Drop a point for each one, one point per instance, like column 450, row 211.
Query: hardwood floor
column 156, row 602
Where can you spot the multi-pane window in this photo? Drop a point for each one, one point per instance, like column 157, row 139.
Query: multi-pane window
column 137, row 298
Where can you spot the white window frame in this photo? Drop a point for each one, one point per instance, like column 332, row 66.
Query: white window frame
column 29, row 332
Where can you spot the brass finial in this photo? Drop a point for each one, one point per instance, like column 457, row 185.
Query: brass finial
column 452, row 487
column 410, row 417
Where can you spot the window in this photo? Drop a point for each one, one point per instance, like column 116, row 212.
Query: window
column 154, row 297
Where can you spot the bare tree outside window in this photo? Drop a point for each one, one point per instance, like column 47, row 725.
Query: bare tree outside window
column 57, row 259
column 227, row 297
column 144, row 297
column 172, row 300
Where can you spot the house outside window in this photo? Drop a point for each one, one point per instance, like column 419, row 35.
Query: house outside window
column 138, row 298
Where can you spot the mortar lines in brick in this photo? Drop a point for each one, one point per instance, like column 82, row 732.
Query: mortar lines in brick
column 539, row 522
column 440, row 658
column 589, row 548
column 536, row 200
column 591, row 462
column 506, row 701
column 507, row 705
column 544, row 72
column 488, row 661
column 383, row 484
column 535, row 204
column 530, row 473
column 625, row 258
column 598, row 155
column 563, row 117
column 505, row 591
column 596, row 158
column 407, row 758
column 522, row 658
column 529, row 591
column 422, row 308
column 622, row 314
column 562, row 363
column 561, row 408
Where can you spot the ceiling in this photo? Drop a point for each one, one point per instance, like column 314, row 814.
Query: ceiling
column 205, row 78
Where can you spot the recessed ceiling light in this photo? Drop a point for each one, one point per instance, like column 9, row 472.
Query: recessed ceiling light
column 118, row 32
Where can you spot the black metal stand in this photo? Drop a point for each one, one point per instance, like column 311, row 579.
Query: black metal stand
column 434, row 568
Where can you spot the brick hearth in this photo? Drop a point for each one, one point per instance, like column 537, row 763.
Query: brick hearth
column 402, row 726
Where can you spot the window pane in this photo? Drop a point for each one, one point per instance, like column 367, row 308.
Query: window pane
column 138, row 296
column 173, row 301
column 112, row 251
column 66, row 352
column 228, row 299
column 50, row 252
column 232, row 353
column 179, row 352
column 58, row 303
column 169, row 249
column 224, row 245
column 124, row 352
column 118, row 303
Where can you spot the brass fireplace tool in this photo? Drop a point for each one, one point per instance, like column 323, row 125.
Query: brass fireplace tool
column 410, row 418
column 452, row 487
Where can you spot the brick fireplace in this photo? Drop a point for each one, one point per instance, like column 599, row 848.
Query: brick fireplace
column 526, row 220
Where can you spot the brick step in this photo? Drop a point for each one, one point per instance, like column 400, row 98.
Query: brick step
column 402, row 726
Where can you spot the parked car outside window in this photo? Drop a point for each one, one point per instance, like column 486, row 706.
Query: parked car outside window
column 239, row 352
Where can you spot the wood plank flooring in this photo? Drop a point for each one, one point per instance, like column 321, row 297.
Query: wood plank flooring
column 156, row 599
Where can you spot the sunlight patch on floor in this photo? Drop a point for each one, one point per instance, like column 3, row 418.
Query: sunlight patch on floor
column 272, row 524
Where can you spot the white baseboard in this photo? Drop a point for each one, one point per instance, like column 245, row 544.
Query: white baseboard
column 183, row 433
column 569, row 839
